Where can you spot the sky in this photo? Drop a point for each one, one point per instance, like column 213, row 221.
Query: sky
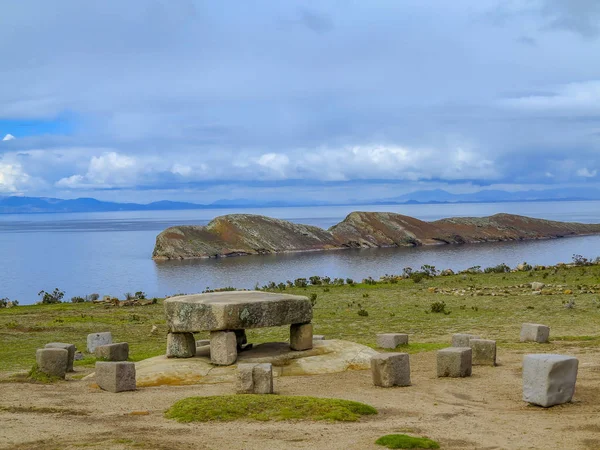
column 320, row 100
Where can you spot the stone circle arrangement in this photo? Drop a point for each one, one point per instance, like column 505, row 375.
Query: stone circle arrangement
column 548, row 379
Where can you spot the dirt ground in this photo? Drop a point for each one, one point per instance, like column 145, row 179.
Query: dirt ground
column 484, row 411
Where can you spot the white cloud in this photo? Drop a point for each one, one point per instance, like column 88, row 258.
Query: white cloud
column 587, row 173
column 12, row 178
column 8, row 137
column 581, row 97
column 105, row 171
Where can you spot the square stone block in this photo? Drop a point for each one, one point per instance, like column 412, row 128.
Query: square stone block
column 549, row 379
column 52, row 361
column 301, row 336
column 115, row 376
column 454, row 362
column 113, row 352
column 263, row 378
column 181, row 345
column 390, row 369
column 70, row 348
column 223, row 347
column 484, row 352
column 462, row 339
column 255, row 378
column 534, row 332
column 391, row 340
column 96, row 339
column 202, row 342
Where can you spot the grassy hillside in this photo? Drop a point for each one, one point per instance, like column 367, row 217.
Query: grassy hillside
column 492, row 305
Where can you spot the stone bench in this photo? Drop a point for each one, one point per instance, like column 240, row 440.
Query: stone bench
column 226, row 315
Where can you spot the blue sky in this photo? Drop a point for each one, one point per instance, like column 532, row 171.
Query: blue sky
column 327, row 100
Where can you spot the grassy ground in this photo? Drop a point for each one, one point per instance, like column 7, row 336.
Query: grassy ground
column 225, row 408
column 492, row 305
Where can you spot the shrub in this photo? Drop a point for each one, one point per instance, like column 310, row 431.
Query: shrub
column 338, row 281
column 407, row 272
column 473, row 270
column 128, row 296
column 326, row 280
column 500, row 268
column 579, row 260
column 54, row 297
column 431, row 271
column 313, row 299
column 92, row 297
column 300, row 282
column 349, row 281
column 315, row 280
column 4, row 302
column 369, row 281
column 417, row 277
column 77, row 299
column 363, row 312
column 438, row 307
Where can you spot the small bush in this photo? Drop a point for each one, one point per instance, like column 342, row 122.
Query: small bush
column 363, row 312
column 315, row 280
column 417, row 277
column 500, row 268
column 313, row 299
column 37, row 375
column 369, row 281
column 92, row 297
column 77, row 299
column 349, row 281
column 431, row 271
column 438, row 307
column 300, row 282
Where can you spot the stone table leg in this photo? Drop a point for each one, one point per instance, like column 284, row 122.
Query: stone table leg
column 181, row 345
column 223, row 347
column 301, row 336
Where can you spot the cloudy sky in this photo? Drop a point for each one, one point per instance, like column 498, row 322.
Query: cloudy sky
column 147, row 100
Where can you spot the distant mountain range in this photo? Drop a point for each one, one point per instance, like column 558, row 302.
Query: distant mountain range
column 25, row 205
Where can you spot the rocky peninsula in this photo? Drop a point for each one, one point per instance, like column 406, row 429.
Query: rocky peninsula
column 248, row 234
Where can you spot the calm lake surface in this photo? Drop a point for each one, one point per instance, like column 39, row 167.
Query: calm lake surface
column 110, row 253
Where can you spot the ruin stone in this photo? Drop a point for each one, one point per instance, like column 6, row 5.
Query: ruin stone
column 318, row 337
column 52, row 361
column 115, row 376
column 223, row 347
column 96, row 339
column 484, row 352
column 462, row 339
column 255, row 378
column 70, row 348
column 301, row 336
column 202, row 342
column 549, row 379
column 391, row 340
column 181, row 345
column 390, row 369
column 454, row 362
column 535, row 332
column 113, row 352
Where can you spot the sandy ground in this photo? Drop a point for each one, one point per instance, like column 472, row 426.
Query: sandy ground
column 484, row 411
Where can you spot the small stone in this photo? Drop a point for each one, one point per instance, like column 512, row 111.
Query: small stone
column 113, row 352
column 115, row 376
column 301, row 336
column 181, row 345
column 535, row 332
column 484, row 352
column 262, row 375
column 202, row 342
column 154, row 329
column 462, row 339
column 70, row 348
column 390, row 369
column 391, row 340
column 549, row 379
column 52, row 361
column 96, row 339
column 318, row 337
column 454, row 362
column 78, row 356
column 223, row 347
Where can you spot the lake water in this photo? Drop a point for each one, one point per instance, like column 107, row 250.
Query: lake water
column 110, row 253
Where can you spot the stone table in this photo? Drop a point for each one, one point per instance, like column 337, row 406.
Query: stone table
column 227, row 315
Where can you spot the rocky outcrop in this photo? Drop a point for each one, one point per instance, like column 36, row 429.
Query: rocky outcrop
column 246, row 234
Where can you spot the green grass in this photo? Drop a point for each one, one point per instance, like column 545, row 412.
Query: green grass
column 266, row 407
column 403, row 307
column 405, row 441
column 35, row 374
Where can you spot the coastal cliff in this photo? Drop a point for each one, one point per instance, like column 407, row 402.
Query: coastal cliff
column 247, row 234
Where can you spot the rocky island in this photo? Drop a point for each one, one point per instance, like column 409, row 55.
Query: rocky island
column 248, row 234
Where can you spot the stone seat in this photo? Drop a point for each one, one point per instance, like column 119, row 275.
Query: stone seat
column 227, row 314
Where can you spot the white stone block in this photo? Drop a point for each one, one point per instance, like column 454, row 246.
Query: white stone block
column 223, row 347
column 535, row 332
column 549, row 379
column 391, row 340
column 96, row 339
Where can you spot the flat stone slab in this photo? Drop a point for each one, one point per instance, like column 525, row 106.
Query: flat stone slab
column 330, row 356
column 235, row 310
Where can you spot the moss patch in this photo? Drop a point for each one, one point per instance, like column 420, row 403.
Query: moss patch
column 35, row 374
column 405, row 441
column 266, row 407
